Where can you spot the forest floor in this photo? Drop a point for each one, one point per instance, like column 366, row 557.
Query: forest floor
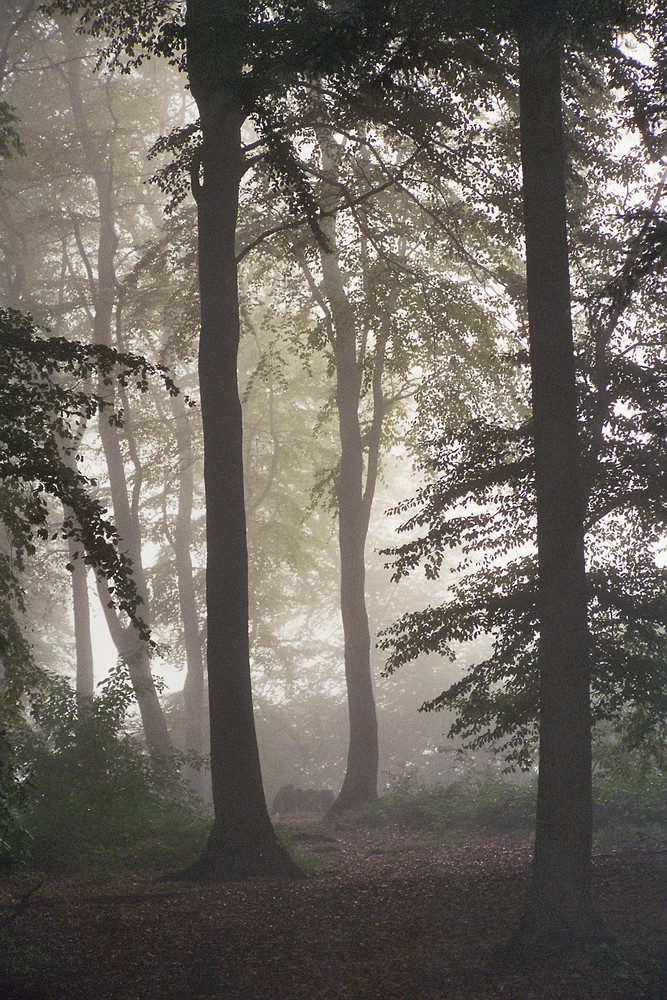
column 383, row 915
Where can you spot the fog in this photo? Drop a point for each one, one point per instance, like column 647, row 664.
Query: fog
column 332, row 423
column 88, row 141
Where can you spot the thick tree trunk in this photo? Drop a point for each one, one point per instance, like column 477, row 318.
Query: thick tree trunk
column 361, row 774
column 559, row 912
column 242, row 841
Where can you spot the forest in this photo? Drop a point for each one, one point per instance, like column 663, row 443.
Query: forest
column 333, row 465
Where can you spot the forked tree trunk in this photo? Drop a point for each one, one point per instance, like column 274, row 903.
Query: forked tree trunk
column 559, row 913
column 242, row 841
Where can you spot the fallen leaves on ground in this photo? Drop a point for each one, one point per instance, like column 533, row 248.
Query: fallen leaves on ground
column 383, row 915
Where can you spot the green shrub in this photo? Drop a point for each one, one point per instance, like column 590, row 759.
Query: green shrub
column 94, row 798
column 408, row 802
column 630, row 778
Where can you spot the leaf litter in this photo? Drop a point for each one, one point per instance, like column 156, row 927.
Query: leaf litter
column 383, row 915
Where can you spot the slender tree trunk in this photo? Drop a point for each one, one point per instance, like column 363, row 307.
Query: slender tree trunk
column 361, row 774
column 102, row 278
column 83, row 644
column 20, row 15
column 131, row 647
column 242, row 841
column 193, row 688
column 85, row 674
column 559, row 912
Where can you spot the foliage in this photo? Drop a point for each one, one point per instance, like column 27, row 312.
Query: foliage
column 630, row 780
column 131, row 30
column 10, row 140
column 93, row 797
column 46, row 395
column 298, row 66
column 481, row 503
column 414, row 69
column 474, row 801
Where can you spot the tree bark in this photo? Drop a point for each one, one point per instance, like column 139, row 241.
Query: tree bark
column 559, row 912
column 361, row 774
column 83, row 643
column 193, row 688
column 242, row 841
column 85, row 673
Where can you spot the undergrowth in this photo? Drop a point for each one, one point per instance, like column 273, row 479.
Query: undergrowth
column 90, row 798
column 627, row 799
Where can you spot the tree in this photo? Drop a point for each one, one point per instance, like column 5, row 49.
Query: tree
column 181, row 543
column 355, row 493
column 242, row 840
column 99, row 164
column 231, row 55
column 37, row 426
column 559, row 912
column 371, row 285
column 43, row 396
column 67, row 273
column 560, row 903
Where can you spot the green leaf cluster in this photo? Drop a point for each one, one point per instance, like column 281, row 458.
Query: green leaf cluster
column 47, row 395
column 10, row 139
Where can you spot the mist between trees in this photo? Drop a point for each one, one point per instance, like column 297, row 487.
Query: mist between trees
column 281, row 400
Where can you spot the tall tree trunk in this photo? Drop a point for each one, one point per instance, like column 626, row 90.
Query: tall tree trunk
column 132, row 649
column 360, row 782
column 242, row 841
column 83, row 644
column 559, row 911
column 102, row 279
column 180, row 541
column 17, row 18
